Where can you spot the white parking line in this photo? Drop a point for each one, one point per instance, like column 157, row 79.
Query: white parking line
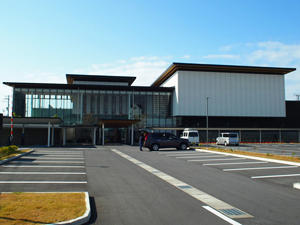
column 199, row 160
column 43, row 182
column 261, row 168
column 272, row 176
column 49, row 173
column 217, row 164
column 35, row 166
column 37, row 161
column 42, row 157
column 192, row 191
column 207, row 156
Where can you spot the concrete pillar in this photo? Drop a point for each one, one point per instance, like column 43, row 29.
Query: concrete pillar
column 49, row 134
column 132, row 134
column 103, row 141
column 64, row 136
column 94, row 137
column 52, row 136
column 260, row 136
column 279, row 135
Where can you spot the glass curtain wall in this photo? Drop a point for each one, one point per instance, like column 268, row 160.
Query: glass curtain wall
column 88, row 107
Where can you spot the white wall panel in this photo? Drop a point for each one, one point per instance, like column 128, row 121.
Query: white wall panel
column 230, row 94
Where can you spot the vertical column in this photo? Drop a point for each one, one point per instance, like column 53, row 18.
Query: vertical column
column 94, row 135
column 49, row 128
column 279, row 135
column 240, row 134
column 52, row 135
column 64, row 136
column 103, row 126
column 260, row 136
column 132, row 134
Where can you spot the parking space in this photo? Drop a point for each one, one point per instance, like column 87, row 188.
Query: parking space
column 45, row 170
column 281, row 173
column 275, row 149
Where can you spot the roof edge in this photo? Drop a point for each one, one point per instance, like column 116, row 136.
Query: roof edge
column 175, row 66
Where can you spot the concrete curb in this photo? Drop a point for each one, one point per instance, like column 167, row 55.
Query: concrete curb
column 15, row 157
column 82, row 219
column 296, row 185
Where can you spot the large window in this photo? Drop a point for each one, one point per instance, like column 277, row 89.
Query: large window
column 75, row 106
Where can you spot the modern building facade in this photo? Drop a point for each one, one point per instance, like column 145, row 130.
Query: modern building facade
column 109, row 109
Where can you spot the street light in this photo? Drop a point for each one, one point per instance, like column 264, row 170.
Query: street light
column 207, row 120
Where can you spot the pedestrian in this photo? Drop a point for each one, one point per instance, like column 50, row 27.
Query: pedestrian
column 141, row 141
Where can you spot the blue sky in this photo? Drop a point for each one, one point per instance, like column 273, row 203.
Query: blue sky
column 41, row 41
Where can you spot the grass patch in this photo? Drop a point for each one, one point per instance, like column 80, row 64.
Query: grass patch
column 10, row 151
column 256, row 154
column 20, row 208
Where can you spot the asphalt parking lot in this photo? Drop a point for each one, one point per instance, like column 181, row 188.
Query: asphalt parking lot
column 280, row 173
column 45, row 170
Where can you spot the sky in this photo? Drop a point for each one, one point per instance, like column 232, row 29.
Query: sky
column 42, row 41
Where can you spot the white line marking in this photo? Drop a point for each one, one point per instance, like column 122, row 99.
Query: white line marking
column 198, row 160
column 204, row 154
column 192, row 191
column 231, row 221
column 43, row 182
column 43, row 166
column 28, row 157
column 208, row 156
column 271, row 176
column 261, row 168
column 217, row 164
column 53, row 173
column 38, row 161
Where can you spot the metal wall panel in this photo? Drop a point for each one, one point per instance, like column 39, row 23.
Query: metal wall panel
column 230, row 94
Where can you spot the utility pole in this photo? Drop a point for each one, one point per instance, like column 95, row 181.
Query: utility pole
column 297, row 96
column 207, row 121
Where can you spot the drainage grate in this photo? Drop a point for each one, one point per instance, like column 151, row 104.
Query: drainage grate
column 232, row 212
column 185, row 187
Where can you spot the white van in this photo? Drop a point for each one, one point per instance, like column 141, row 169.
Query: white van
column 192, row 135
column 228, row 139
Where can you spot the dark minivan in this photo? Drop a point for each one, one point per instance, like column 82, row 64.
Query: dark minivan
column 155, row 141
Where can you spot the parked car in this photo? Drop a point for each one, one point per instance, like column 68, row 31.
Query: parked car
column 155, row 141
column 192, row 135
column 228, row 139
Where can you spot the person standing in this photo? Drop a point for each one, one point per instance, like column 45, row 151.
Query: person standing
column 141, row 141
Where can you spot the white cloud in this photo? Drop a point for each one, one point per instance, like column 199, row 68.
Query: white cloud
column 276, row 53
column 145, row 69
column 186, row 56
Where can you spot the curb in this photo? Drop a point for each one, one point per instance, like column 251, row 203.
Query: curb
column 15, row 157
column 82, row 219
column 296, row 185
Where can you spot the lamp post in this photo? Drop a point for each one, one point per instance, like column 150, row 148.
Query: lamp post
column 207, row 120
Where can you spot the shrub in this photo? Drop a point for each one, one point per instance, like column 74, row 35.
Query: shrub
column 8, row 150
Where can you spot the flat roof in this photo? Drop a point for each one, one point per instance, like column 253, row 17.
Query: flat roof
column 87, row 87
column 33, row 120
column 104, row 78
column 218, row 68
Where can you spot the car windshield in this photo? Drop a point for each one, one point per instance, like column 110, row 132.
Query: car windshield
column 233, row 135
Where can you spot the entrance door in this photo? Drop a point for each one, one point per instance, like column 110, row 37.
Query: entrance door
column 114, row 135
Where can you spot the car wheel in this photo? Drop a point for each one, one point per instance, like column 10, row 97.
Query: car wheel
column 225, row 143
column 155, row 147
column 183, row 146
